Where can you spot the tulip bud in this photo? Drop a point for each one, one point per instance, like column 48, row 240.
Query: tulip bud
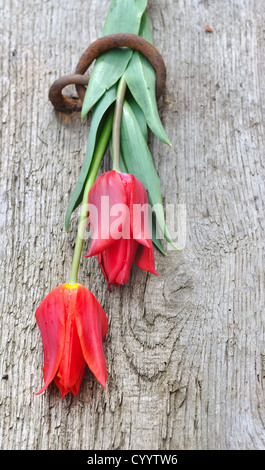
column 121, row 233
column 72, row 325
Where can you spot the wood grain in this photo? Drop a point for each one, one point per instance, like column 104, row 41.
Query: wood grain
column 185, row 350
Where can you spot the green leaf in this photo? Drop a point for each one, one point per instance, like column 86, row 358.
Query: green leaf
column 141, row 80
column 108, row 69
column 96, row 121
column 138, row 112
column 157, row 241
column 139, row 162
column 124, row 16
column 145, row 29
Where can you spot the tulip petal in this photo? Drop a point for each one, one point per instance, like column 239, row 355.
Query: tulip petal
column 117, row 260
column 107, row 193
column 145, row 258
column 131, row 249
column 74, row 387
column 50, row 317
column 72, row 364
column 139, row 210
column 92, row 326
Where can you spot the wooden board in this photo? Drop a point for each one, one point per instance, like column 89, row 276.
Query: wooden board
column 185, row 350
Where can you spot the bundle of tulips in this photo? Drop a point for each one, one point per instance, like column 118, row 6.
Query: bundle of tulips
column 122, row 207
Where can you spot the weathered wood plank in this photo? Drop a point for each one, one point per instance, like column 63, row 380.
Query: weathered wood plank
column 185, row 350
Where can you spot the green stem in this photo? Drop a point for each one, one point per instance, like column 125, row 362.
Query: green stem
column 116, row 128
column 98, row 155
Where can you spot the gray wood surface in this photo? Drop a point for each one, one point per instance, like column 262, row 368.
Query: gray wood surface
column 185, row 350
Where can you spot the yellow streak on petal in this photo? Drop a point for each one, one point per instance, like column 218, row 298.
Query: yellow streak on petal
column 70, row 286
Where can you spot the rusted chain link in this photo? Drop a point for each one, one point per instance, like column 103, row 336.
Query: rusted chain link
column 100, row 46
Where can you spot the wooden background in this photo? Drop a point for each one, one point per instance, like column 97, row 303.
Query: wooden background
column 185, row 350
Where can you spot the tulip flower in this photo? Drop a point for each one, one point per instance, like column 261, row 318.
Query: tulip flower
column 120, row 230
column 72, row 325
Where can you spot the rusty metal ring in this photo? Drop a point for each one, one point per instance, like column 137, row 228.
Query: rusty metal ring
column 132, row 41
column 98, row 47
column 61, row 102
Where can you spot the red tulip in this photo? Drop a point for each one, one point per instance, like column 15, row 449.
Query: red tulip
column 72, row 325
column 120, row 230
